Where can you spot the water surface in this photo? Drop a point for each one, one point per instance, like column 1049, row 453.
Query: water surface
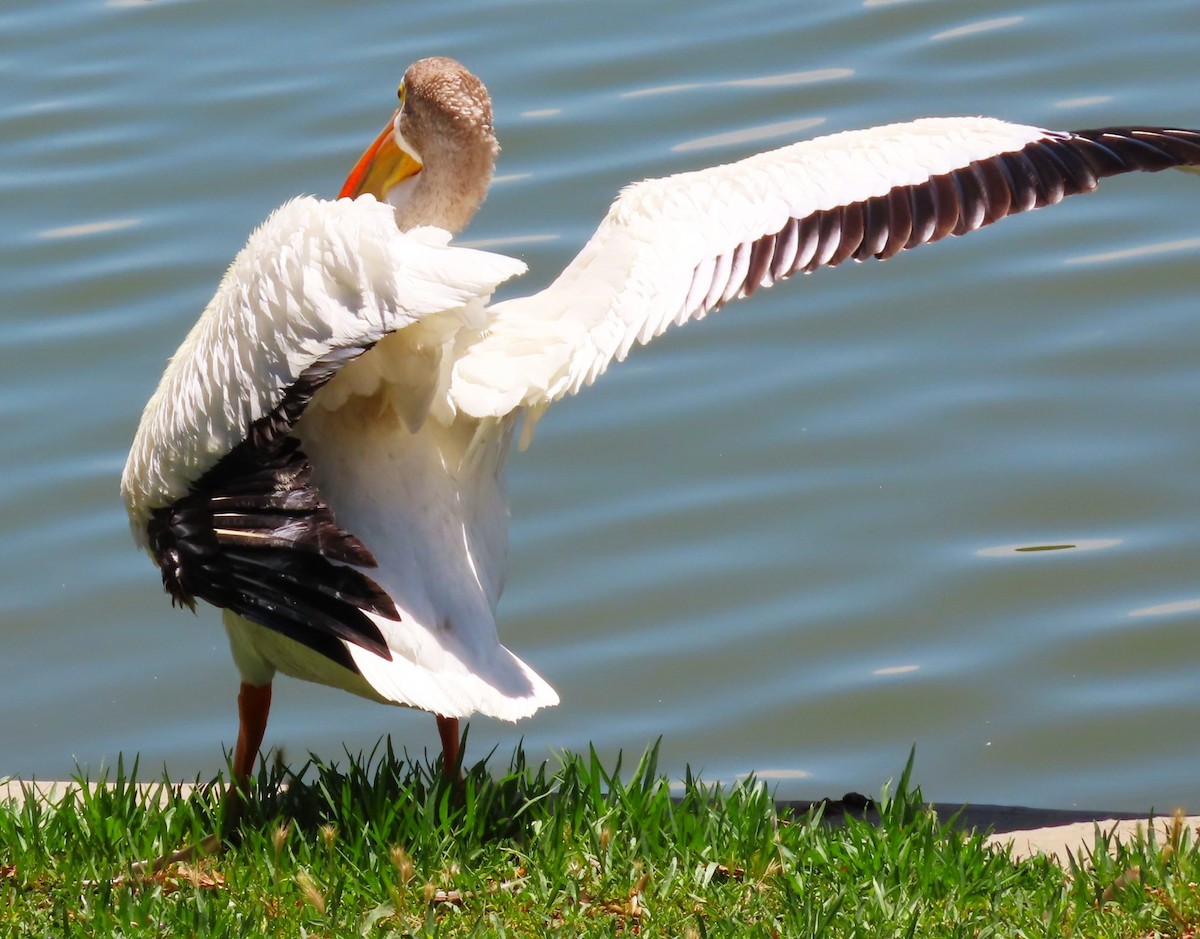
column 790, row 539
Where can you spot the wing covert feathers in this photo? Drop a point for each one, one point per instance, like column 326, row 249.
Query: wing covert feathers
column 677, row 248
column 318, row 281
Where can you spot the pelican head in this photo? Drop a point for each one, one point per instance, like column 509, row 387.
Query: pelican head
column 434, row 160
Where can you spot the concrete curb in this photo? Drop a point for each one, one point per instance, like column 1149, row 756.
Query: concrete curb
column 54, row 791
column 1064, row 843
column 1060, row 834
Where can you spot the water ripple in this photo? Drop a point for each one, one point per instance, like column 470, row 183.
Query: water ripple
column 765, row 531
column 770, row 131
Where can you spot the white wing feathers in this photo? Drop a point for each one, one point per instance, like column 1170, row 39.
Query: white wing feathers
column 673, row 249
column 315, row 278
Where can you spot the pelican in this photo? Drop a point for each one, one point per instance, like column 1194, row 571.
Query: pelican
column 324, row 456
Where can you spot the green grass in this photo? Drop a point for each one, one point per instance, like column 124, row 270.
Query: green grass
column 380, row 848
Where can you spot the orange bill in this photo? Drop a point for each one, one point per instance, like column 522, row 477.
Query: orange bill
column 382, row 166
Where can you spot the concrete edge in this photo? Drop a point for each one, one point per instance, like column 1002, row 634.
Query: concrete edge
column 53, row 792
column 1077, row 841
column 1062, row 835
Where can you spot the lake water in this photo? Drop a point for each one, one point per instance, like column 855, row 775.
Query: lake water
column 785, row 539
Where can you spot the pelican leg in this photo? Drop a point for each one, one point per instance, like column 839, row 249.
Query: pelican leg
column 254, row 704
column 451, row 749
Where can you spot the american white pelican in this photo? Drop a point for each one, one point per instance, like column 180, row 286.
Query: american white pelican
column 324, row 456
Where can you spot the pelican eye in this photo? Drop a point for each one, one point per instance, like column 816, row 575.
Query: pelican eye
column 400, row 94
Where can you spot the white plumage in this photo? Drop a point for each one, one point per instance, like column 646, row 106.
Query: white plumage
column 314, row 277
column 665, row 252
column 372, row 557
column 426, row 496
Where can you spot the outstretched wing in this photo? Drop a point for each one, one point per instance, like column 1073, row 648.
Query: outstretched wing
column 674, row 249
column 216, row 487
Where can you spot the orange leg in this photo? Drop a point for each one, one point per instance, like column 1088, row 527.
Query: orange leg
column 451, row 748
column 254, row 704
